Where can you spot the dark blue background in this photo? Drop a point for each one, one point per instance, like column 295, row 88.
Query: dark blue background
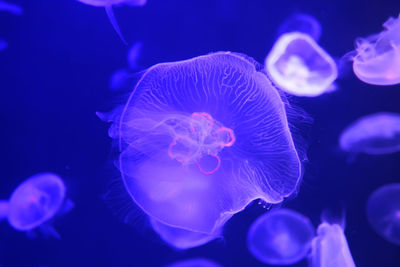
column 54, row 76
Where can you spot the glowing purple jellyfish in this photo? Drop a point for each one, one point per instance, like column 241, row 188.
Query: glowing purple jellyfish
column 280, row 237
column 330, row 248
column 34, row 202
column 198, row 262
column 383, row 212
column 299, row 66
column 374, row 134
column 377, row 59
column 202, row 138
column 108, row 5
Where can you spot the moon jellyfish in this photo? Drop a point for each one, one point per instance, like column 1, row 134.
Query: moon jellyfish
column 374, row 134
column 9, row 7
column 202, row 138
column 330, row 248
column 198, row 262
column 34, row 202
column 299, row 66
column 377, row 59
column 303, row 23
column 280, row 237
column 108, row 5
column 383, row 212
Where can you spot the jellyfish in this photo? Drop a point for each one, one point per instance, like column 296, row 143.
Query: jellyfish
column 196, row 262
column 299, row 66
column 9, row 7
column 34, row 202
column 373, row 134
column 202, row 138
column 330, row 248
column 280, row 237
column 108, row 5
column 303, row 23
column 383, row 212
column 377, row 57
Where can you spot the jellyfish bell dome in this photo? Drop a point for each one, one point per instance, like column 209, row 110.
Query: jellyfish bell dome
column 35, row 201
column 299, row 66
column 280, row 237
column 383, row 212
column 375, row 134
column 202, row 138
column 377, row 59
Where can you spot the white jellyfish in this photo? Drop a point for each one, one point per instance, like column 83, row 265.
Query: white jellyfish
column 34, row 202
column 377, row 59
column 299, row 66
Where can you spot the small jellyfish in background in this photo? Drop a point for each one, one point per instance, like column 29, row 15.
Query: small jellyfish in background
column 302, row 23
column 34, row 202
column 299, row 66
column 330, row 248
column 197, row 262
column 202, row 138
column 280, row 237
column 11, row 8
column 377, row 59
column 374, row 134
column 108, row 5
column 383, row 212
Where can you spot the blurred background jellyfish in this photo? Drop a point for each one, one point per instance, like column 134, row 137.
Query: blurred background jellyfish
column 374, row 134
column 299, row 66
column 197, row 262
column 280, row 237
column 11, row 8
column 377, row 59
column 202, row 138
column 108, row 5
column 302, row 23
column 34, row 202
column 330, row 248
column 3, row 44
column 383, row 212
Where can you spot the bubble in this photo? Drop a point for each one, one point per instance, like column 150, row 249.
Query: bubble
column 383, row 212
column 280, row 237
column 197, row 262
column 202, row 138
column 377, row 59
column 374, row 134
column 34, row 202
column 108, row 5
column 299, row 66
column 329, row 247
column 302, row 23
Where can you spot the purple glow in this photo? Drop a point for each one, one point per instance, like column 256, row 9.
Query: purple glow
column 383, row 212
column 329, row 248
column 280, row 237
column 198, row 262
column 35, row 201
column 299, row 66
column 377, row 59
column 217, row 109
column 375, row 134
column 303, row 23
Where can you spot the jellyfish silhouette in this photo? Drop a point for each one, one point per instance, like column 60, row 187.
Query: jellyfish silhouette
column 280, row 237
column 330, row 248
column 302, row 23
column 202, row 138
column 374, row 134
column 108, row 5
column 383, row 212
column 34, row 202
column 299, row 66
column 377, row 57
column 197, row 262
